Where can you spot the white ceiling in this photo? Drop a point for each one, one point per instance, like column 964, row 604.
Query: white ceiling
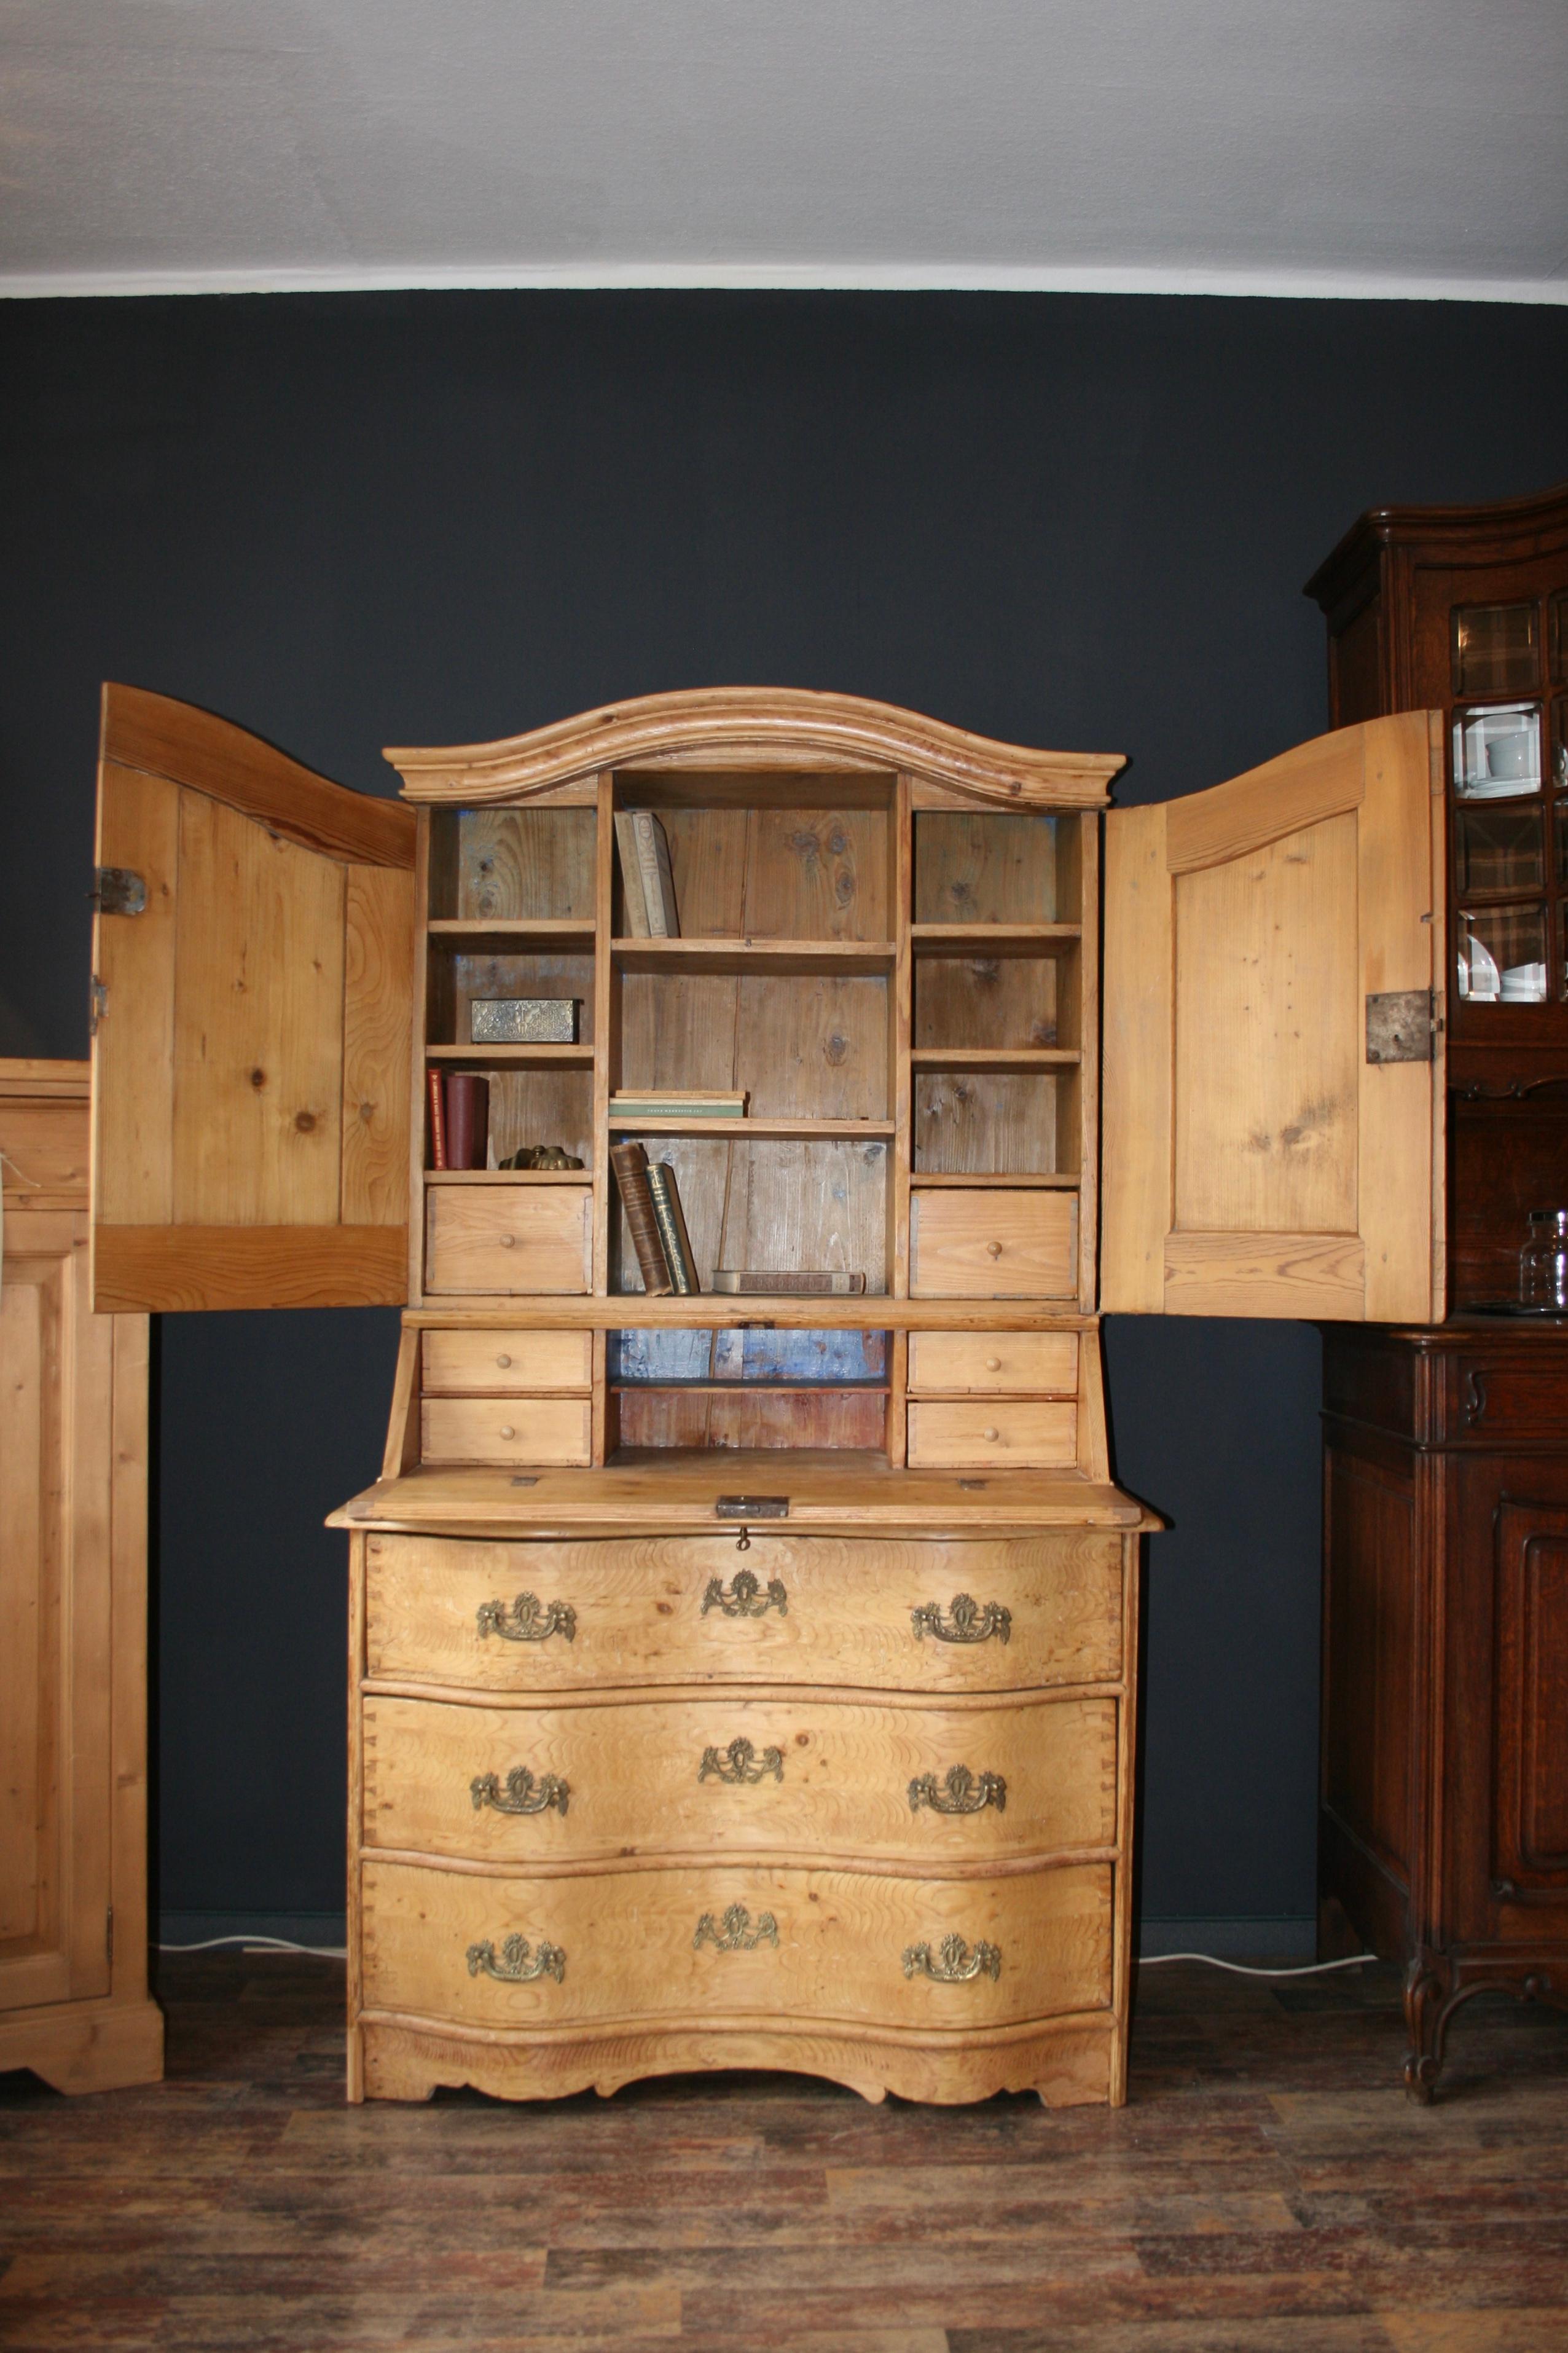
column 1405, row 147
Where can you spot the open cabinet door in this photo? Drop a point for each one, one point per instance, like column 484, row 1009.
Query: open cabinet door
column 1273, row 1137
column 253, row 971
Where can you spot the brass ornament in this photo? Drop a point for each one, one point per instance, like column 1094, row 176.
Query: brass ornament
column 956, row 1962
column 745, row 1596
column 739, row 1764
column 539, row 1156
column 735, row 1932
column 967, row 1620
column 528, row 1619
column 963, row 1792
column 523, row 1794
column 518, row 1964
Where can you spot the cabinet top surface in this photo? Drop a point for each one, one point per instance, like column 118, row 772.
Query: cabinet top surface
column 752, row 727
column 678, row 1493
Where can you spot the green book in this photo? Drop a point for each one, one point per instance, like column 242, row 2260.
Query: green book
column 673, row 1237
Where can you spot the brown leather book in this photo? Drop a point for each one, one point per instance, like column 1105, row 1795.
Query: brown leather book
column 629, row 1162
column 670, row 1218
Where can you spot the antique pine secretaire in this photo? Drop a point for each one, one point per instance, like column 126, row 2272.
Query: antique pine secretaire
column 745, row 1676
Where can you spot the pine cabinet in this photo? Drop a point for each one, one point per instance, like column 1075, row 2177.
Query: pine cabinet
column 747, row 1677
column 74, row 2005
column 1443, row 1821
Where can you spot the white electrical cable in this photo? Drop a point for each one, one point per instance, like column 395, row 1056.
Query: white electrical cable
column 1241, row 1969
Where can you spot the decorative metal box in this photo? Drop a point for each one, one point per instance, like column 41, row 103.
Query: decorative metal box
column 523, row 1021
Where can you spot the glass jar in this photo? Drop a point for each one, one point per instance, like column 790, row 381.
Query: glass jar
column 1543, row 1263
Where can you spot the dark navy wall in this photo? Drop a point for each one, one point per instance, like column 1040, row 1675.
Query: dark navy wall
column 348, row 521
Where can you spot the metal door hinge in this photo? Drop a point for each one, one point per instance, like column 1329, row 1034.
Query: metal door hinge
column 98, row 999
column 1400, row 1025
column 118, row 890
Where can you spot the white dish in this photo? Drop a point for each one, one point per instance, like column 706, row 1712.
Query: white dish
column 1496, row 789
column 1479, row 975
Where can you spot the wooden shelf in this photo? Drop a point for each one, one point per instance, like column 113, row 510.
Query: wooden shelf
column 993, row 939
column 558, row 1058
column 739, row 957
column 994, row 1058
column 509, row 1177
column 492, row 935
column 752, row 1388
column 920, row 1183
column 763, row 1130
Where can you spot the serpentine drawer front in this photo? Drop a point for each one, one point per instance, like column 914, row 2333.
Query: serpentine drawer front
column 729, row 1940
column 998, row 1614
column 945, row 1785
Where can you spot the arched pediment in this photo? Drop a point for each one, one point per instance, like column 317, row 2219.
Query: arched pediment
column 737, row 727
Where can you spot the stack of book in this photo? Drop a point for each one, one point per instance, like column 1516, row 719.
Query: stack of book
column 647, row 886
column 677, row 1103
column 652, row 1202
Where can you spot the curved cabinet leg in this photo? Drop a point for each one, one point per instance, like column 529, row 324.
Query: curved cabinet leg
column 1428, row 2000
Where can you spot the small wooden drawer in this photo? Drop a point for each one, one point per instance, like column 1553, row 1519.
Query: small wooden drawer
column 993, row 1245
column 1032, row 1433
column 665, row 1943
column 471, row 1363
column 1036, row 1364
column 524, row 1238
column 506, row 1429
column 831, row 1780
column 876, row 1616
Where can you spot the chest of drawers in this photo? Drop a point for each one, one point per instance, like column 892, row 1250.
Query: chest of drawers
column 857, row 1805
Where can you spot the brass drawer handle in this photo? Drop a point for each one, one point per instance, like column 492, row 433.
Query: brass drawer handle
column 967, row 1621
column 955, row 1964
column 524, row 1795
column 528, row 1621
column 743, row 1766
column 735, row 1934
column 745, row 1598
column 963, row 1792
column 517, row 1965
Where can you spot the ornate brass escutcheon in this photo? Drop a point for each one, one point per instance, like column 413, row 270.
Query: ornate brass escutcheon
column 956, row 1962
column 734, row 1933
column 745, row 1598
column 523, row 1794
column 528, row 1619
column 740, row 1763
column 517, row 1964
column 963, row 1792
column 967, row 1620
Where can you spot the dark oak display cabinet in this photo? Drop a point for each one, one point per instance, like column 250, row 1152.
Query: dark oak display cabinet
column 1444, row 1824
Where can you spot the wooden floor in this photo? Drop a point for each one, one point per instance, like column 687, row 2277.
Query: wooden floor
column 1267, row 2187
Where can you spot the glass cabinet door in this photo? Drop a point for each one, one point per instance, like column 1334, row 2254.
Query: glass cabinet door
column 1508, row 779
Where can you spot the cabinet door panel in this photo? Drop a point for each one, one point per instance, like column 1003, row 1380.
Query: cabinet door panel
column 1531, row 1731
column 252, row 1058
column 55, row 1399
column 1256, row 1162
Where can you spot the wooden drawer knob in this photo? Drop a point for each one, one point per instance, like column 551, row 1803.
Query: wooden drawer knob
column 990, row 1436
column 992, row 1363
column 507, row 1241
column 993, row 1249
column 505, row 1363
column 506, row 1431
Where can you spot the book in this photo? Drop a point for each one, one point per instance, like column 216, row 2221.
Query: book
column 657, row 882
column 632, row 893
column 437, row 1119
column 789, row 1279
column 467, row 1119
column 671, row 1102
column 629, row 1162
column 670, row 1221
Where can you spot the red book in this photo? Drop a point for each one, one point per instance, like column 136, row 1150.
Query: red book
column 467, row 1119
column 437, row 1120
